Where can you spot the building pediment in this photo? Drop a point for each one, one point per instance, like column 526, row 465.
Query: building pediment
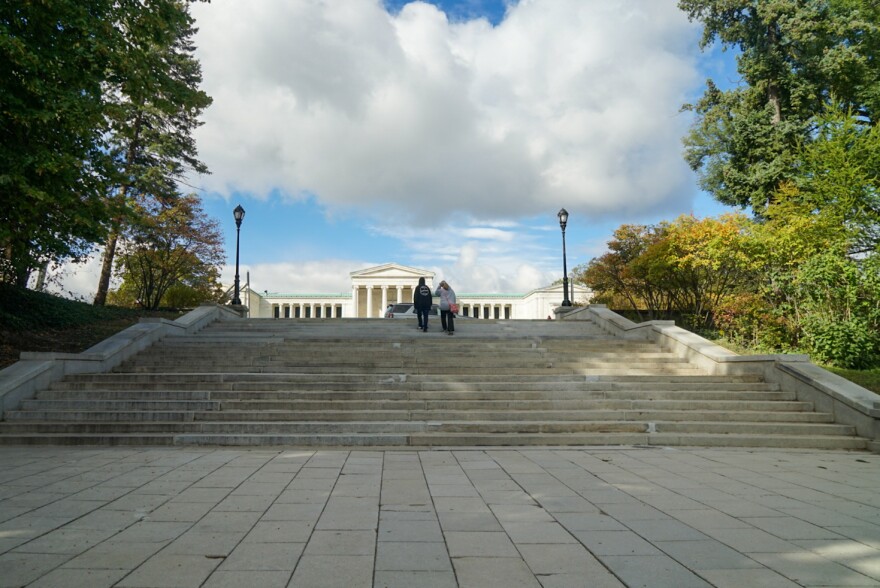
column 390, row 271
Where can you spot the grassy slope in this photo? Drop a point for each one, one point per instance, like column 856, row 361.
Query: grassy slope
column 33, row 321
column 869, row 379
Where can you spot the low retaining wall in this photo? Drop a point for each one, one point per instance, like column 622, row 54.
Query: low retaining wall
column 37, row 371
column 848, row 402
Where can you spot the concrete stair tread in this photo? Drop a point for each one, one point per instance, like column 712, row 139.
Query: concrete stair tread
column 471, row 417
column 454, row 439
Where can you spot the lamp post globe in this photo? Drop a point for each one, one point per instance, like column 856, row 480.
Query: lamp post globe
column 238, row 214
column 563, row 220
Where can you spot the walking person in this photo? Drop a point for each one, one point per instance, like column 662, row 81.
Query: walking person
column 448, row 307
column 422, row 301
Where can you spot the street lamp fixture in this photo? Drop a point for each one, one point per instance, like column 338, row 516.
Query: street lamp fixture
column 563, row 220
column 238, row 213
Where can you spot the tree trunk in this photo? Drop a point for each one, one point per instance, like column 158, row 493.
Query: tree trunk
column 106, row 269
column 41, row 277
column 772, row 86
column 110, row 250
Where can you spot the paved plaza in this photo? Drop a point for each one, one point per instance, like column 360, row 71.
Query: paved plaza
column 552, row 517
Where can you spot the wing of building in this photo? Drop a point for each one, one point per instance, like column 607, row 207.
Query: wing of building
column 374, row 288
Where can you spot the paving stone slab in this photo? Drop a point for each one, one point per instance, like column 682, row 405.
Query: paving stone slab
column 493, row 572
column 652, row 571
column 480, row 544
column 171, row 571
column 424, row 556
column 72, row 578
column 19, row 569
column 237, row 579
column 410, row 530
column 408, row 579
column 334, row 571
column 342, row 543
column 267, row 557
column 111, row 555
column 810, row 569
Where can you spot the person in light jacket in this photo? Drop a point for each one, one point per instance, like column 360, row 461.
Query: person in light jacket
column 422, row 302
column 447, row 299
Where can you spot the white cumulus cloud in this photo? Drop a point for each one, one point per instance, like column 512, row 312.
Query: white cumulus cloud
column 564, row 101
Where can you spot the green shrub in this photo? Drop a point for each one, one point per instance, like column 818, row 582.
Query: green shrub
column 843, row 343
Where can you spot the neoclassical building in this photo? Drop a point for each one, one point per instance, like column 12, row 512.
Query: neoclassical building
column 374, row 288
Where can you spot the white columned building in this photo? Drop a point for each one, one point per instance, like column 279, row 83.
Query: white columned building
column 373, row 289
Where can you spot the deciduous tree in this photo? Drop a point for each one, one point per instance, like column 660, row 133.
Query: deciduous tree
column 53, row 58
column 173, row 245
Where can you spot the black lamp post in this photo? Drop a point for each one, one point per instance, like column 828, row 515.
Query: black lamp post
column 238, row 213
column 563, row 220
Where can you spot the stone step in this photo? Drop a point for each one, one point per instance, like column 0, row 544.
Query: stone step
column 360, row 405
column 330, row 415
column 645, row 439
column 438, row 387
column 555, row 392
column 180, row 378
column 473, row 427
column 140, row 405
column 510, row 370
column 537, row 360
column 416, row 345
column 450, row 440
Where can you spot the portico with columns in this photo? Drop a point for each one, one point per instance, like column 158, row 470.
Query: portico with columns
column 374, row 288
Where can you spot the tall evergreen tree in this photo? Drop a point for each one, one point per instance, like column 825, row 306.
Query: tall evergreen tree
column 154, row 102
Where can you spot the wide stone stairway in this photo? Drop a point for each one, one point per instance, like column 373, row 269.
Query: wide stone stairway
column 349, row 382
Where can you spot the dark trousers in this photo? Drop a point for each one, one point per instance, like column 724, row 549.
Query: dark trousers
column 423, row 313
column 447, row 319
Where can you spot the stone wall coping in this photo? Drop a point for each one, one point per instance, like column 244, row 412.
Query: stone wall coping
column 835, row 386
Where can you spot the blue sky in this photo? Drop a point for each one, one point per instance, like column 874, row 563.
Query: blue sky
column 442, row 135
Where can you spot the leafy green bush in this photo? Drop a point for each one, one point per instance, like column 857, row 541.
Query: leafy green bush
column 843, row 343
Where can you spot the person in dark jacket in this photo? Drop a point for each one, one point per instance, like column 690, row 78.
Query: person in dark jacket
column 422, row 301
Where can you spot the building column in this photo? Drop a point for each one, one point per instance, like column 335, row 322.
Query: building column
column 384, row 299
column 400, row 293
column 369, row 302
column 354, row 300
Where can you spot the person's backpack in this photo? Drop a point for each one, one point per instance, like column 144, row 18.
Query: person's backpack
column 424, row 291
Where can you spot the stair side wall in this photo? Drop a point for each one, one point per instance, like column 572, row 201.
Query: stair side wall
column 848, row 402
column 37, row 371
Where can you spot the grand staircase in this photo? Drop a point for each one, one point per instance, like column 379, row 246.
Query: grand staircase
column 356, row 382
